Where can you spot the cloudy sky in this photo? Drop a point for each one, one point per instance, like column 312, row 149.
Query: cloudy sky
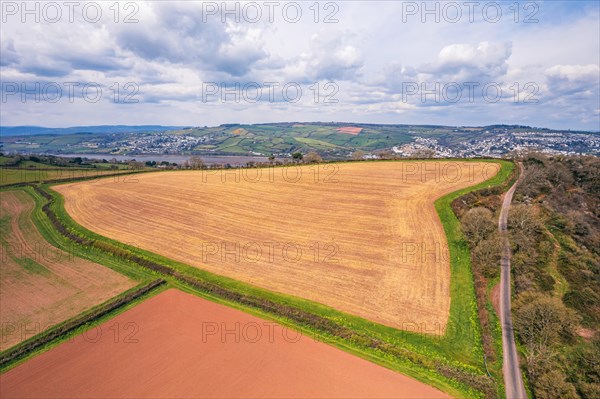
column 202, row 63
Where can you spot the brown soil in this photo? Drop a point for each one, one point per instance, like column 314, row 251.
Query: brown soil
column 42, row 285
column 182, row 350
column 586, row 333
column 363, row 238
column 349, row 130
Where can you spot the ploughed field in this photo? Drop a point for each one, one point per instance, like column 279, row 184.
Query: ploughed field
column 363, row 238
column 178, row 345
column 42, row 285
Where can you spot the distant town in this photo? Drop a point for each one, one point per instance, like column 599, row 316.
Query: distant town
column 551, row 143
column 329, row 140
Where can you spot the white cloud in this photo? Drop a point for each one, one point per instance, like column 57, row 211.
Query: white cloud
column 486, row 57
column 330, row 56
column 369, row 53
column 575, row 91
column 574, row 77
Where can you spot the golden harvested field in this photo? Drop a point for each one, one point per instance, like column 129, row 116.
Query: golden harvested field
column 363, row 238
column 42, row 285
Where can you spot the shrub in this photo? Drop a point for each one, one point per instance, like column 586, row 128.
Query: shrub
column 542, row 321
column 478, row 224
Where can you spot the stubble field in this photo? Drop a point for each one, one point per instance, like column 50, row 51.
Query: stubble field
column 363, row 238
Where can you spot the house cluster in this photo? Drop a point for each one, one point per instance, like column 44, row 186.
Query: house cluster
column 558, row 143
column 148, row 143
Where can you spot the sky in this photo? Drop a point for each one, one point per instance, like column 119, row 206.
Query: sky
column 207, row 63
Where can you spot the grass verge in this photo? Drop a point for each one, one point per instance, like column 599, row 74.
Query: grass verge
column 452, row 362
column 41, row 340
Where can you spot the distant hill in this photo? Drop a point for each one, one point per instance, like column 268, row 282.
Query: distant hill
column 37, row 130
column 332, row 140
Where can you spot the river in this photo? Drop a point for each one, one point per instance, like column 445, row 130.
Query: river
column 178, row 159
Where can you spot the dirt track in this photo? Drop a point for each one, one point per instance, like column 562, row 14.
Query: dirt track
column 182, row 351
column 363, row 238
column 42, row 285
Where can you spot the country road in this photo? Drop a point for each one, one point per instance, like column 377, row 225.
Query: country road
column 513, row 379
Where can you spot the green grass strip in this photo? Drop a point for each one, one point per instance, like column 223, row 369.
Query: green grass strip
column 453, row 362
column 36, row 342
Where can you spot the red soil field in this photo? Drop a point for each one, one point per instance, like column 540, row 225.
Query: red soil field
column 349, row 130
column 188, row 347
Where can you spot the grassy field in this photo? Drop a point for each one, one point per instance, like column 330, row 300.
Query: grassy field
column 314, row 143
column 274, row 138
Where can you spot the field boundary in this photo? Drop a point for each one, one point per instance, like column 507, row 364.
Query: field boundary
column 57, row 240
column 427, row 359
column 38, row 341
column 66, row 179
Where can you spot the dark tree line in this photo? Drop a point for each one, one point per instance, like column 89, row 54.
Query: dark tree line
column 555, row 234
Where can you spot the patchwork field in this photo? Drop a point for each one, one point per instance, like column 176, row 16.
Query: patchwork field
column 42, row 285
column 178, row 345
column 363, row 238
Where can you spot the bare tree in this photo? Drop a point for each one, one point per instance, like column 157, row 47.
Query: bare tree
column 135, row 165
column 195, row 162
column 524, row 220
column 425, row 153
column 542, row 321
column 385, row 154
column 553, row 385
column 477, row 224
column 559, row 174
column 358, row 155
column 313, row 157
column 534, row 181
column 487, row 255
